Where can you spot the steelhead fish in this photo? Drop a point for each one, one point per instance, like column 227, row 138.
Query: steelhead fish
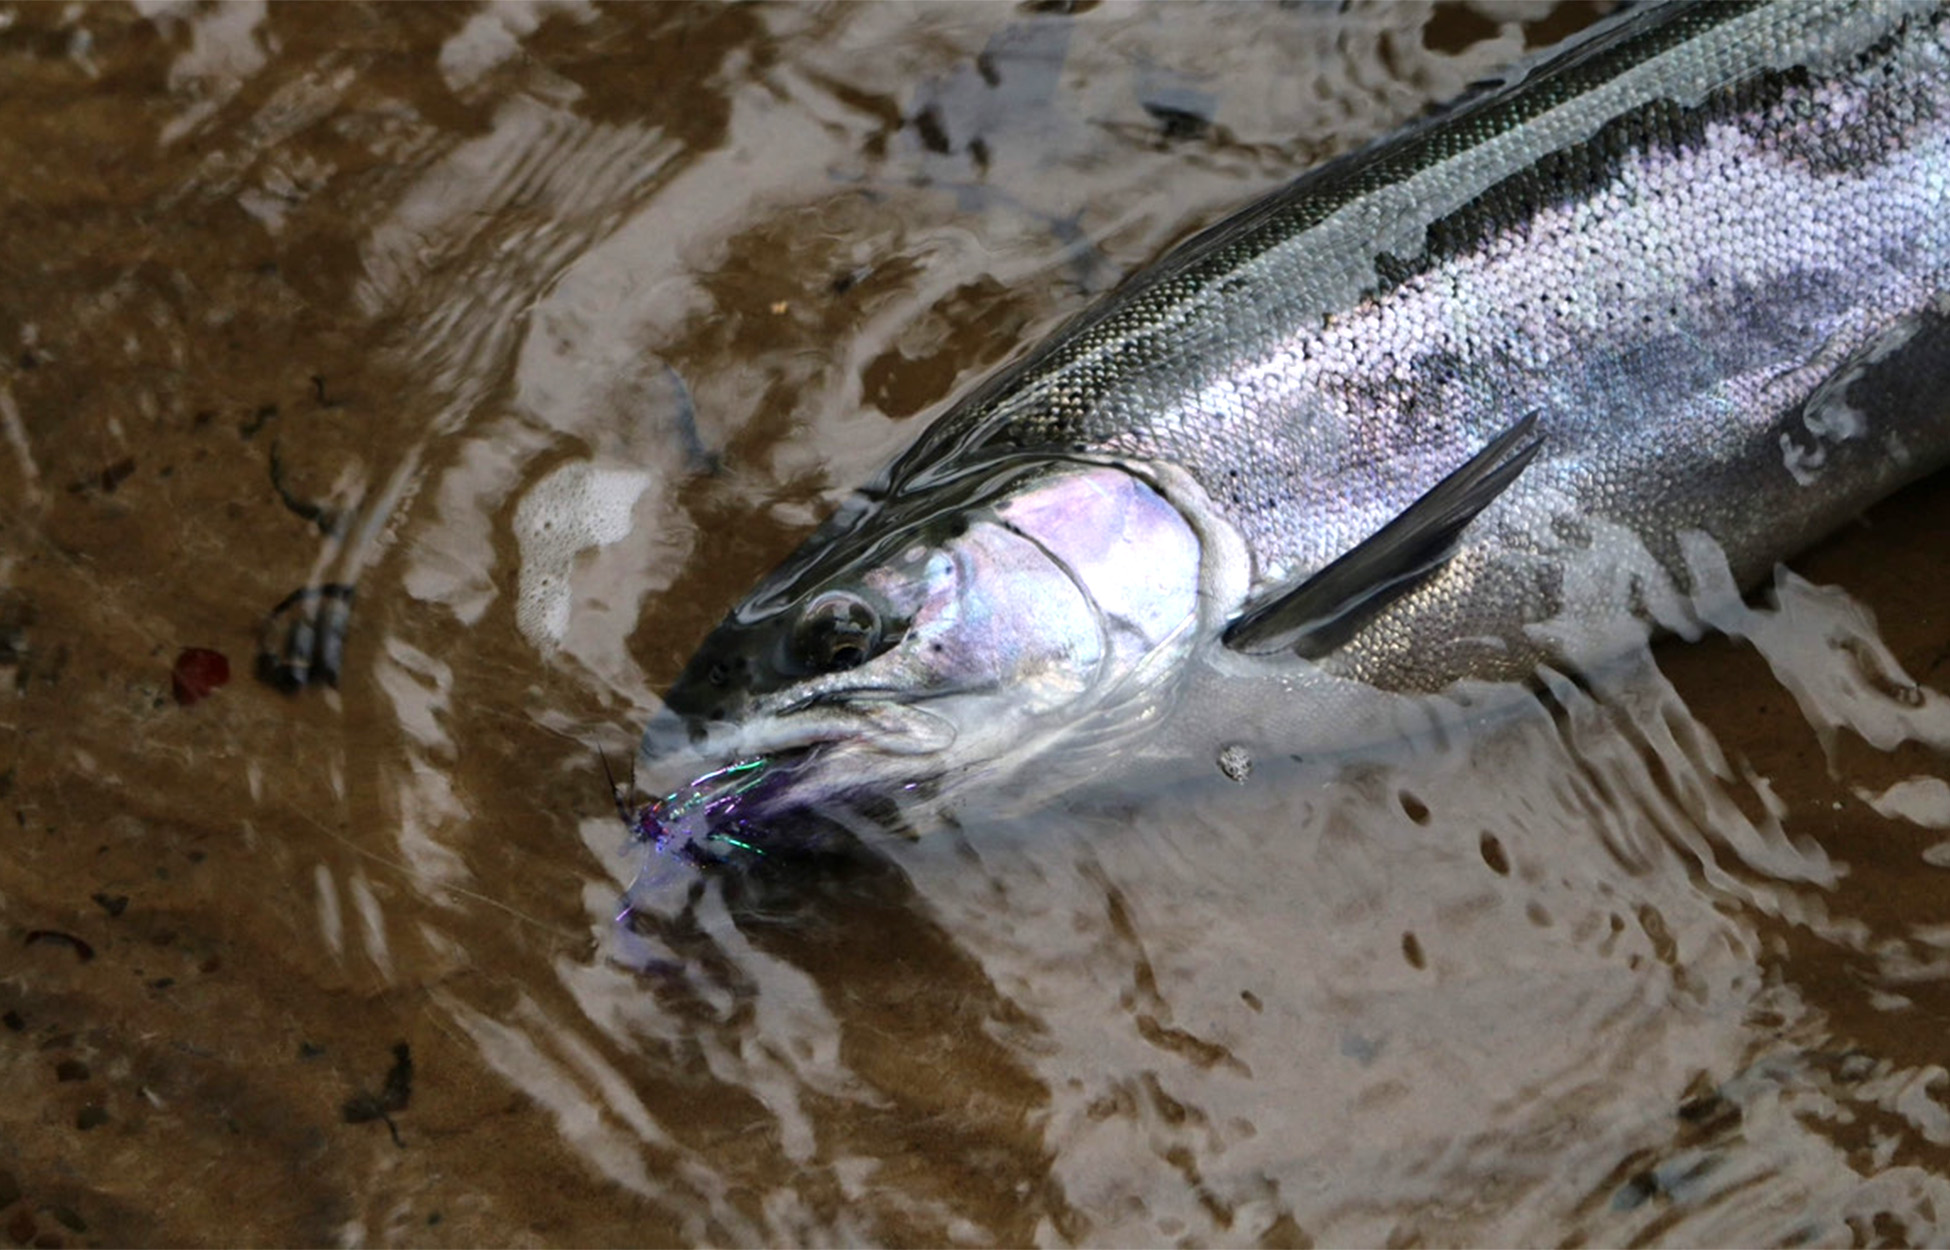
column 1641, row 321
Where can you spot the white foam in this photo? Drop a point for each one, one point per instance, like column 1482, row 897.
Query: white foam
column 577, row 507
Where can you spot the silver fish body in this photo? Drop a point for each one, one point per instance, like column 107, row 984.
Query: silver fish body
column 1704, row 253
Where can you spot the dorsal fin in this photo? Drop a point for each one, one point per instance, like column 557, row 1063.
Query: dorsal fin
column 1325, row 610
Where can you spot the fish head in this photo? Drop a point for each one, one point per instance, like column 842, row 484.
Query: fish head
column 939, row 634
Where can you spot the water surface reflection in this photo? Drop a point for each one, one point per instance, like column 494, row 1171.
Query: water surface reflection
column 550, row 327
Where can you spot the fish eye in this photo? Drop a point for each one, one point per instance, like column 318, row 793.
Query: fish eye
column 836, row 632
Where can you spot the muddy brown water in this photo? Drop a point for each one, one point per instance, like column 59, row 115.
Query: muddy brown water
column 308, row 295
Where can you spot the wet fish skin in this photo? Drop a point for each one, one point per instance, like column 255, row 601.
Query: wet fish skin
column 1707, row 248
column 1667, row 243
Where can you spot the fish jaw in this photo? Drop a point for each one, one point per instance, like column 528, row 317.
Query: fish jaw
column 1063, row 607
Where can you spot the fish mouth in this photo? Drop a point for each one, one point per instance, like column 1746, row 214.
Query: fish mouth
column 884, row 725
column 777, row 771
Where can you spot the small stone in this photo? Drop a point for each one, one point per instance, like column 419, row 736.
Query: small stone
column 197, row 673
column 1236, row 762
column 90, row 1117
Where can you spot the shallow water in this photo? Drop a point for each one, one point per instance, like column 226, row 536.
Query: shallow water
column 554, row 327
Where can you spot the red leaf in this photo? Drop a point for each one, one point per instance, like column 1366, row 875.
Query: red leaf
column 198, row 671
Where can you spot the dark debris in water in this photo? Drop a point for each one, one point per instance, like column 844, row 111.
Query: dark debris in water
column 83, row 950
column 111, row 477
column 16, row 615
column 319, row 393
column 1178, row 123
column 328, row 520
column 249, row 428
column 393, row 1096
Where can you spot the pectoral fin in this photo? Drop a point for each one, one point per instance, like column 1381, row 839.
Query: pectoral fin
column 1325, row 610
